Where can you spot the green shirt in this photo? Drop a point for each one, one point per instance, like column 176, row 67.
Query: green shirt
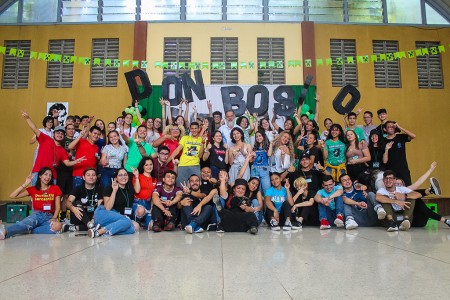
column 134, row 155
column 336, row 152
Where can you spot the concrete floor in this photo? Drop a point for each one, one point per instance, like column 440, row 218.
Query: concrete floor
column 366, row 263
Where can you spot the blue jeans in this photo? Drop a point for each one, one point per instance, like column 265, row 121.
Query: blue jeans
column 259, row 214
column 113, row 222
column 330, row 213
column 106, row 176
column 203, row 219
column 263, row 173
column 147, row 217
column 215, row 209
column 77, row 181
column 364, row 217
column 37, row 223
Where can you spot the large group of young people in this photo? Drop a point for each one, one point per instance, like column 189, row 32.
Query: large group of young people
column 221, row 173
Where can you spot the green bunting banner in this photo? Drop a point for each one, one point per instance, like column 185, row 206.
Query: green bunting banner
column 269, row 64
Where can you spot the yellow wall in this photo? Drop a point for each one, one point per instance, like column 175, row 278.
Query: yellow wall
column 16, row 154
column 247, row 35
column 422, row 111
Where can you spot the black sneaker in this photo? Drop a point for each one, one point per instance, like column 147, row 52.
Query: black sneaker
column 447, row 221
column 253, row 230
column 68, row 227
column 216, row 200
column 274, row 225
column 435, row 187
column 392, row 226
column 296, row 225
column 93, row 232
column 211, row 227
column 220, row 228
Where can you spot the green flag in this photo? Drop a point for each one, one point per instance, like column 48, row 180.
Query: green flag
column 441, row 48
column 329, row 61
column 390, row 56
column 135, row 63
column 279, row 64
column 13, row 51
column 262, row 65
column 87, row 61
column 339, row 61
column 433, row 50
column 205, row 65
column 116, row 63
column 66, row 59
column 350, row 60
column 271, row 64
column 251, row 65
column 308, row 63
column 144, row 64
column 410, row 53
column 319, row 62
column 233, row 65
column 243, row 65
column 20, row 53
column 2, row 49
column 382, row 57
column 33, row 54
column 108, row 62
column 425, row 51
column 126, row 63
column 97, row 61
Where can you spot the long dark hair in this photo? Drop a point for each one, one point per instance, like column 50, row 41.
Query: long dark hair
column 142, row 163
column 212, row 139
column 265, row 143
column 253, row 194
column 40, row 173
column 381, row 142
column 341, row 135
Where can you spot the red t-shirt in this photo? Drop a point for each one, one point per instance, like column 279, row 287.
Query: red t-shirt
column 49, row 154
column 148, row 185
column 44, row 200
column 89, row 151
column 172, row 145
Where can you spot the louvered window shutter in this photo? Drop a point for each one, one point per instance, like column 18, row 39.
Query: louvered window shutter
column 101, row 75
column 387, row 72
column 345, row 73
column 59, row 74
column 224, row 50
column 429, row 67
column 176, row 51
column 16, row 69
column 271, row 50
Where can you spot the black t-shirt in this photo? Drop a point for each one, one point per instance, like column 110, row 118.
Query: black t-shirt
column 313, row 178
column 318, row 156
column 87, row 199
column 397, row 154
column 217, row 157
column 124, row 198
column 301, row 198
column 376, row 155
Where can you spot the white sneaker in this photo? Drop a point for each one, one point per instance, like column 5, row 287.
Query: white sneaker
column 350, row 224
column 274, row 225
column 287, row 225
column 405, row 225
column 381, row 213
column 2, row 231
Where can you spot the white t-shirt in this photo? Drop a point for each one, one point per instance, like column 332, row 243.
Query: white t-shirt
column 391, row 195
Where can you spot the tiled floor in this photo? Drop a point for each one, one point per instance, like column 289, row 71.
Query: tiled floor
column 367, row 263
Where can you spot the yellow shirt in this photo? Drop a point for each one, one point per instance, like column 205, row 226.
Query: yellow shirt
column 191, row 150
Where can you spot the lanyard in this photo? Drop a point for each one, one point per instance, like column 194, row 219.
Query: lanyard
column 125, row 195
column 91, row 201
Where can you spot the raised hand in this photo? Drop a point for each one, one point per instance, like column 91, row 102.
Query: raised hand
column 389, row 145
column 114, row 185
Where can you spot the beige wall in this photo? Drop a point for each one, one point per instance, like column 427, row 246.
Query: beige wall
column 247, row 35
column 422, row 111
column 16, row 154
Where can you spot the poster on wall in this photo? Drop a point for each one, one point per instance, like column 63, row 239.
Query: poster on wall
column 61, row 107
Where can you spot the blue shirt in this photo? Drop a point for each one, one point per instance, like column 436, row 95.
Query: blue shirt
column 261, row 159
column 277, row 196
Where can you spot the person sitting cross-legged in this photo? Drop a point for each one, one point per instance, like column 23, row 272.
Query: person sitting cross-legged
column 331, row 205
column 165, row 199
column 194, row 216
